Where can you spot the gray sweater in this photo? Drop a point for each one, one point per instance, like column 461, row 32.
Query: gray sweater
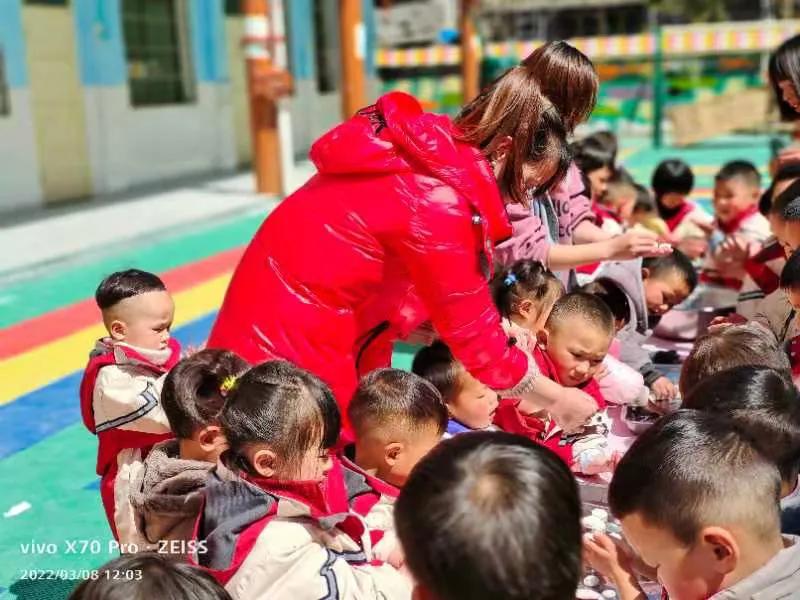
column 779, row 579
column 628, row 276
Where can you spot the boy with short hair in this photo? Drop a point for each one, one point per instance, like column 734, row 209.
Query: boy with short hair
column 471, row 405
column 739, row 232
column 653, row 286
column 570, row 351
column 490, row 515
column 762, row 402
column 397, row 417
column 121, row 385
column 699, row 504
column 672, row 183
column 728, row 348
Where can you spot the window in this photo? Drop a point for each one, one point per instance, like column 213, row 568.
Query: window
column 5, row 103
column 326, row 45
column 233, row 7
column 156, row 48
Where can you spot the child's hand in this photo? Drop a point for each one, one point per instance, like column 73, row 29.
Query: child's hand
column 573, row 409
column 396, row 557
column 664, row 389
column 734, row 250
column 605, row 556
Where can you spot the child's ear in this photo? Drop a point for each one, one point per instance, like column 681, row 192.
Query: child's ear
column 211, row 438
column 391, row 453
column 118, row 330
column 723, row 549
column 525, row 308
column 645, row 272
column 264, row 461
column 542, row 336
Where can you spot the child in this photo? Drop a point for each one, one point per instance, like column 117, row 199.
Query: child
column 672, row 183
column 739, row 232
column 706, row 519
column 762, row 271
column 470, row 404
column 167, row 494
column 763, row 404
column 790, row 285
column 491, row 515
column 619, row 200
column 121, row 385
column 621, row 384
column 570, row 350
column 595, row 156
column 149, row 575
column 653, row 286
column 730, row 347
column 645, row 215
column 524, row 295
column 283, row 518
column 397, row 417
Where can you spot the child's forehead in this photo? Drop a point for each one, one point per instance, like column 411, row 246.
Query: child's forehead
column 738, row 182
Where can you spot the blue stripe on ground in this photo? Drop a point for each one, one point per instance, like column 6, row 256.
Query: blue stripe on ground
column 47, row 410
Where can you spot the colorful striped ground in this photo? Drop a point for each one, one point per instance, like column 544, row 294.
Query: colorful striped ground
column 47, row 326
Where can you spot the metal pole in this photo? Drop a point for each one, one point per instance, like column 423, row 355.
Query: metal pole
column 658, row 83
column 263, row 110
column 470, row 61
column 354, row 48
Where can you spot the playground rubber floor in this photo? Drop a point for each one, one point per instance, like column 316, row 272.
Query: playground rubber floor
column 53, row 530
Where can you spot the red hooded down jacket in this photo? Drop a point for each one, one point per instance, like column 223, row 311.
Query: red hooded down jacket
column 397, row 226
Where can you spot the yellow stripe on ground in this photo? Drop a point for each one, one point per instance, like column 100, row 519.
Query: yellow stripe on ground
column 38, row 367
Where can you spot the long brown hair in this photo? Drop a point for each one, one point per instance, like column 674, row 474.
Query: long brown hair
column 567, row 77
column 513, row 106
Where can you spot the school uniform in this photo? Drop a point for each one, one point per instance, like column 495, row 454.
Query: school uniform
column 683, row 223
column 120, row 397
column 262, row 538
column 762, row 278
column 575, row 450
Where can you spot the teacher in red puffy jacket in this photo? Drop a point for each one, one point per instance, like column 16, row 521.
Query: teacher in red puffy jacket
column 399, row 226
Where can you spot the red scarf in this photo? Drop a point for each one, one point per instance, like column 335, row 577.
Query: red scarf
column 735, row 224
column 602, row 213
column 675, row 220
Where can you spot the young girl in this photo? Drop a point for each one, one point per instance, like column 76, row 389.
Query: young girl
column 283, row 518
column 167, row 494
column 524, row 295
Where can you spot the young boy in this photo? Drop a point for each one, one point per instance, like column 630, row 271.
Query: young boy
column 121, row 385
column 729, row 348
column 570, row 350
column 763, row 404
column 706, row 519
column 471, row 405
column 490, row 515
column 653, row 286
column 739, row 232
column 672, row 183
column 397, row 417
column 763, row 270
column 167, row 494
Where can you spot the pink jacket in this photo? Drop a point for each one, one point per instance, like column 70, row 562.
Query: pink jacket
column 530, row 236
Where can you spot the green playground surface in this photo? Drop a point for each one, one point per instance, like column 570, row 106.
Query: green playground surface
column 48, row 548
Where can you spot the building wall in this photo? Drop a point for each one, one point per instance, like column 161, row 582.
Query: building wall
column 234, row 28
column 128, row 145
column 57, row 103
column 19, row 172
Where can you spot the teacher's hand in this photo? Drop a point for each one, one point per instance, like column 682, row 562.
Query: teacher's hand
column 636, row 244
column 573, row 409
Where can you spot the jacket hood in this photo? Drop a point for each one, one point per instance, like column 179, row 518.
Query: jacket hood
column 395, row 136
column 168, row 493
column 628, row 275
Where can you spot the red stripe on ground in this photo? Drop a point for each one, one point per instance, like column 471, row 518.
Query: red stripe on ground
column 26, row 335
